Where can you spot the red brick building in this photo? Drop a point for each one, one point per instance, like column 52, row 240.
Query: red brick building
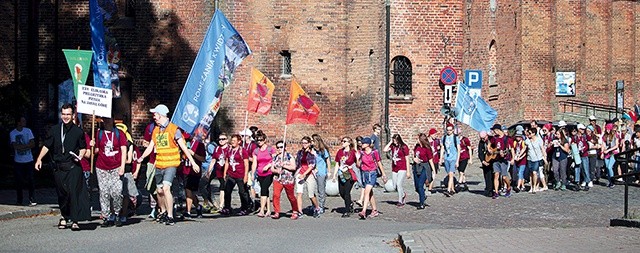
column 336, row 50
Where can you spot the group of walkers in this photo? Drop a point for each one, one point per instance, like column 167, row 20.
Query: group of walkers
column 538, row 156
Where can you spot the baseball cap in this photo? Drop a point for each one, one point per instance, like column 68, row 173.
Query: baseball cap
column 245, row 132
column 432, row 131
column 562, row 123
column 581, row 126
column 590, row 127
column 548, row 126
column 608, row 126
column 496, row 126
column 160, row 109
column 366, row 140
column 592, row 117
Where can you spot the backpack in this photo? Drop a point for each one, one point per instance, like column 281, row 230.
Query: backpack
column 455, row 140
column 116, row 130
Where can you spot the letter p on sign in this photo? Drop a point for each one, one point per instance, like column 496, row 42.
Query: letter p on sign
column 473, row 79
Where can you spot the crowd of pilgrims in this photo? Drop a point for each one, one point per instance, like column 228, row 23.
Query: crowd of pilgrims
column 532, row 159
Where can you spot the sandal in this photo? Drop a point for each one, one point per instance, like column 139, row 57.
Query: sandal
column 75, row 227
column 261, row 215
column 62, row 223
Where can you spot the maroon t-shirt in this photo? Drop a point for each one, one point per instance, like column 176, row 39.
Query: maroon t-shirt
column 399, row 157
column 86, row 165
column 187, row 168
column 350, row 157
column 423, row 153
column 465, row 143
column 236, row 162
column 110, row 156
column 517, row 147
column 435, row 150
column 148, row 131
column 220, row 154
column 502, row 144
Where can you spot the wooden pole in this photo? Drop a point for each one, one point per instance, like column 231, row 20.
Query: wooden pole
column 284, row 137
column 93, row 136
column 246, row 121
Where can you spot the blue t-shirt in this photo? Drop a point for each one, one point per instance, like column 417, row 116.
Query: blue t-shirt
column 451, row 149
column 376, row 142
column 321, row 162
column 207, row 160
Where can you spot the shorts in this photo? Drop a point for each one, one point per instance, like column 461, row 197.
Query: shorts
column 129, row 185
column 450, row 166
column 501, row 167
column 311, row 185
column 165, row 176
column 369, row 178
column 193, row 182
column 462, row 166
column 533, row 166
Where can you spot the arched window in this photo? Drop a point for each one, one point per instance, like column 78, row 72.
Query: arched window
column 401, row 76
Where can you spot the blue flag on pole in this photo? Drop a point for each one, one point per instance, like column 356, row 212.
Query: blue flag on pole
column 473, row 110
column 222, row 50
column 101, row 73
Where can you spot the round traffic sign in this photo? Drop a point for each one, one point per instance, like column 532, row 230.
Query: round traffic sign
column 448, row 75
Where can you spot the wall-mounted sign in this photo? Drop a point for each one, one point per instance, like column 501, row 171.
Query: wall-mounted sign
column 566, row 84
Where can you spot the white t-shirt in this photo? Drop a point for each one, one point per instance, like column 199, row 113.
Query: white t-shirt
column 22, row 137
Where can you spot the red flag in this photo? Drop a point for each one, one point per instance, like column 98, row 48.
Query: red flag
column 301, row 108
column 260, row 93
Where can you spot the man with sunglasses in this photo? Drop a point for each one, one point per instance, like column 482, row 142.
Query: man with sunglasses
column 67, row 146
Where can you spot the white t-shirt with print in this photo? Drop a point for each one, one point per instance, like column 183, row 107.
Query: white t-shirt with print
column 22, row 137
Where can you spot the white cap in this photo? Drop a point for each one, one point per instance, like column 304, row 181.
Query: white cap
column 245, row 132
column 160, row 109
column 562, row 123
column 581, row 126
column 592, row 117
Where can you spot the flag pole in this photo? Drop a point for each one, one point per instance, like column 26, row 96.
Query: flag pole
column 246, row 120
column 93, row 136
column 284, row 137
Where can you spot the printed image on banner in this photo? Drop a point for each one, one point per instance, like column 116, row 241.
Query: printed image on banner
column 78, row 61
column 222, row 50
column 101, row 73
column 260, row 93
column 474, row 111
column 301, row 108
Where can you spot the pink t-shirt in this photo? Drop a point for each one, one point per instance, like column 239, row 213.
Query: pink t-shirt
column 369, row 160
column 263, row 157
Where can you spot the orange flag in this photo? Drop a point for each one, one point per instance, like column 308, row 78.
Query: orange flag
column 301, row 108
column 260, row 93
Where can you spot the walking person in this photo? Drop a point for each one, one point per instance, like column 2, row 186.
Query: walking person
column 262, row 165
column 344, row 173
column 323, row 161
column 423, row 167
column 111, row 150
column 368, row 162
column 236, row 172
column 466, row 152
column 400, row 167
column 191, row 176
column 217, row 164
column 536, row 156
column 375, row 136
column 486, row 166
column 253, row 186
column 67, row 146
column 150, row 184
column 167, row 141
column 205, row 181
column 305, row 175
column 21, row 139
column 435, row 150
column 450, row 148
column 283, row 167
column 609, row 149
column 131, row 169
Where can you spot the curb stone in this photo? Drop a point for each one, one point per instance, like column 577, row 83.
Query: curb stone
column 408, row 243
column 27, row 213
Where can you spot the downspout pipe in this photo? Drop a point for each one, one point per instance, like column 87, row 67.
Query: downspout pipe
column 387, row 130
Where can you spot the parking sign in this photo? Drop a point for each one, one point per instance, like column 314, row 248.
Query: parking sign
column 473, row 80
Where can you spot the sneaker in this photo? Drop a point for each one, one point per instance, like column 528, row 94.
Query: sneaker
column 590, row 184
column 199, row 211
column 321, row 210
column 404, row 198
column 170, row 221
column 300, row 215
column 161, row 217
column 447, row 193
column 545, row 188
column 225, row 212
column 563, row 188
column 118, row 222
column 610, row 185
column 187, row 215
column 421, row 206
column 429, row 193
column 316, row 213
column 508, row 193
column 345, row 215
column 620, row 179
column 374, row 214
column 32, row 202
column 105, row 223
column 152, row 215
column 495, row 195
column 243, row 213
column 583, row 184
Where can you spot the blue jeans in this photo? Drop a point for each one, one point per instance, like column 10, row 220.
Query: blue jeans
column 421, row 173
column 521, row 172
column 584, row 167
column 609, row 162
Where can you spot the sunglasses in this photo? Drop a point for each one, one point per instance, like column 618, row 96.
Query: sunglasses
column 345, row 141
column 259, row 139
column 223, row 139
column 305, row 142
column 280, row 146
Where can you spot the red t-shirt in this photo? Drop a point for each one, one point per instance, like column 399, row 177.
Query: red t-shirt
column 236, row 162
column 399, row 157
column 369, row 160
column 502, row 144
column 423, row 153
column 109, row 145
column 435, row 150
column 349, row 157
column 263, row 158
column 465, row 143
column 86, row 165
column 220, row 155
column 187, row 168
column 148, row 131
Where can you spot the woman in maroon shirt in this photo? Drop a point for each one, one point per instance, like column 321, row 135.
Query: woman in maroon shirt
column 343, row 172
column 218, row 160
column 400, row 168
column 423, row 167
column 236, row 173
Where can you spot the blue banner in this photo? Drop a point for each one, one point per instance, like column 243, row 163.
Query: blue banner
column 222, row 50
column 101, row 73
column 473, row 110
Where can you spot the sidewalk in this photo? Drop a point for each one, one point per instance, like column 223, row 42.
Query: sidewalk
column 589, row 239
column 46, row 198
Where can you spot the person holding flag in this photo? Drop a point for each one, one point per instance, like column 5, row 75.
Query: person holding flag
column 167, row 140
